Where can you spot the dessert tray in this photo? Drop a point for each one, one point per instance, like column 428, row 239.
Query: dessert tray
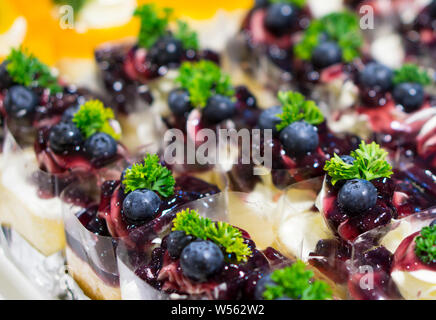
column 290, row 157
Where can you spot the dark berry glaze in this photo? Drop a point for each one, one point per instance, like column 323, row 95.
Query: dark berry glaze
column 72, row 161
column 236, row 281
column 348, row 226
column 419, row 36
column 287, row 170
column 278, row 49
column 126, row 70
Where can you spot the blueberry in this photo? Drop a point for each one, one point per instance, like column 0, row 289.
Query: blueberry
column 101, row 147
column 219, row 108
column 68, row 114
column 65, row 137
column 433, row 223
column 141, row 205
column 357, row 196
column 261, row 286
column 269, row 119
column 177, row 241
column 348, row 159
column 376, row 76
column 5, row 79
column 409, row 95
column 179, row 102
column 326, row 54
column 200, row 260
column 281, row 18
column 299, row 138
column 20, row 102
column 166, row 51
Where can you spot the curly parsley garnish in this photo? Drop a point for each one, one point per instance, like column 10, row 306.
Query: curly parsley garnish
column 154, row 24
column 411, row 73
column 425, row 245
column 296, row 108
column 297, row 3
column 296, row 282
column 204, row 79
column 187, row 36
column 221, row 233
column 27, row 70
column 77, row 5
column 93, row 117
column 341, row 27
column 370, row 163
column 149, row 175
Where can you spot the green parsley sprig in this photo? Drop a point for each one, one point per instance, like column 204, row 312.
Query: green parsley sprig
column 154, row 24
column 187, row 36
column 24, row 68
column 149, row 175
column 93, row 117
column 77, row 5
column 221, row 233
column 411, row 73
column 425, row 245
column 296, row 282
column 370, row 163
column 341, row 27
column 203, row 79
column 296, row 108
column 297, row 3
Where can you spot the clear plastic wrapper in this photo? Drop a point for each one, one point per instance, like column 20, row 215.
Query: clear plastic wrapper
column 217, row 208
column 376, row 272
column 91, row 259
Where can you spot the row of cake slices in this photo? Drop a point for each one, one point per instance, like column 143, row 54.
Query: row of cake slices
column 61, row 149
column 286, row 47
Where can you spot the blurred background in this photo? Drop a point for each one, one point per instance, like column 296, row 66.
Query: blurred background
column 37, row 24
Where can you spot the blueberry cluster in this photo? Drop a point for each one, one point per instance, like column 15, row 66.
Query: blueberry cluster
column 409, row 95
column 66, row 138
column 218, row 107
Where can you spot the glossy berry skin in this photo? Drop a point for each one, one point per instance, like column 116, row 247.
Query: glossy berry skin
column 348, row 159
column 68, row 115
column 219, row 108
column 269, row 119
column 141, row 205
column 177, row 241
column 409, row 95
column 100, row 147
column 123, row 174
column 280, row 18
column 65, row 137
column 20, row 102
column 200, row 260
column 166, row 51
column 261, row 286
column 357, row 196
column 376, row 76
column 326, row 54
column 299, row 138
column 179, row 102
